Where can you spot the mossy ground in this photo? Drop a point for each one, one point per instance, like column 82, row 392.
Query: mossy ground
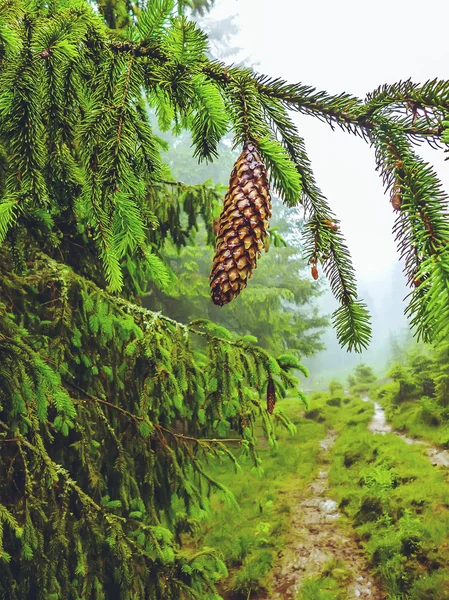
column 398, row 504
column 392, row 499
column 420, row 416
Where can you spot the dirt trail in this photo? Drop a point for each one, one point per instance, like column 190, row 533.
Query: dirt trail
column 317, row 538
column 379, row 424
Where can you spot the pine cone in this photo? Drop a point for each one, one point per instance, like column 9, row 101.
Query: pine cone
column 243, row 226
column 271, row 396
column 396, row 201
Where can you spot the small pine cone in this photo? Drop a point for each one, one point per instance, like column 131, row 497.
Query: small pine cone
column 243, row 226
column 314, row 272
column 396, row 201
column 271, row 396
column 331, row 225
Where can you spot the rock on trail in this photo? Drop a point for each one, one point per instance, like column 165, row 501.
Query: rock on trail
column 316, row 538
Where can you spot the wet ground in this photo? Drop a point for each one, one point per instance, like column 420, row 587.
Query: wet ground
column 437, row 456
column 316, row 538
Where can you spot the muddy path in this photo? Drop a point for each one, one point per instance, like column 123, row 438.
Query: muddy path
column 379, row 424
column 316, row 538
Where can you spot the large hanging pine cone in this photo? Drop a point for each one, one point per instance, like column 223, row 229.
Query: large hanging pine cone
column 243, row 226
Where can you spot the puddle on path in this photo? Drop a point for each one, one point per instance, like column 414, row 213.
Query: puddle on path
column 378, row 424
column 316, row 539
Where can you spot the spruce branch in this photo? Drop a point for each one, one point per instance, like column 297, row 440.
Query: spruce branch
column 417, row 111
column 138, row 419
column 421, row 228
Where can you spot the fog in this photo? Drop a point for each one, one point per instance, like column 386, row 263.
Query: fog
column 352, row 47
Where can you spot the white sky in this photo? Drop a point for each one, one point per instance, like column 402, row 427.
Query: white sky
column 349, row 46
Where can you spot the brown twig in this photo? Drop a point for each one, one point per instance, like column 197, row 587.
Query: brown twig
column 180, row 436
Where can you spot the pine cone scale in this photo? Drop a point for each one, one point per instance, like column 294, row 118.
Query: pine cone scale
column 242, row 226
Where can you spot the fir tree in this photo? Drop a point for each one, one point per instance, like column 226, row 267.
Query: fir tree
column 107, row 409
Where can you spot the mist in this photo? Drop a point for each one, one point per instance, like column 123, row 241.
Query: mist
column 339, row 48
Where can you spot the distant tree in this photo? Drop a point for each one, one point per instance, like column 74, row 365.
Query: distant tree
column 441, row 373
column 361, row 378
column 336, row 389
column 421, row 366
column 351, row 381
column 402, row 376
column 397, row 350
column 364, row 374
column 199, row 6
column 424, row 372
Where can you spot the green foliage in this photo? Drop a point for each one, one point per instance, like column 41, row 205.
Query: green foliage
column 285, row 177
column 433, row 586
column 417, row 399
column 336, row 389
column 362, row 379
column 200, row 6
column 71, row 64
column 108, row 410
column 320, row 588
column 76, row 134
column 100, row 399
column 250, row 537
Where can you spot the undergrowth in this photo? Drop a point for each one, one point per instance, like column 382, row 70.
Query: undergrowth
column 331, row 584
column 420, row 416
column 389, row 494
column 320, row 588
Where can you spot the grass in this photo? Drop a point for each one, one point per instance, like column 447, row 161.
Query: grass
column 331, row 584
column 390, row 495
column 320, row 588
column 398, row 504
column 249, row 537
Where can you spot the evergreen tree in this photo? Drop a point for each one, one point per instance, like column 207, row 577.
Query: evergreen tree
column 424, row 372
column 106, row 408
column 361, row 378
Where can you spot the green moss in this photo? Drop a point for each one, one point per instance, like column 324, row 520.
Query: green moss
column 320, row 588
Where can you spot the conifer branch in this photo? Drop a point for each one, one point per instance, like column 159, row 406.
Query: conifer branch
column 168, row 59
column 402, row 107
column 137, row 418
